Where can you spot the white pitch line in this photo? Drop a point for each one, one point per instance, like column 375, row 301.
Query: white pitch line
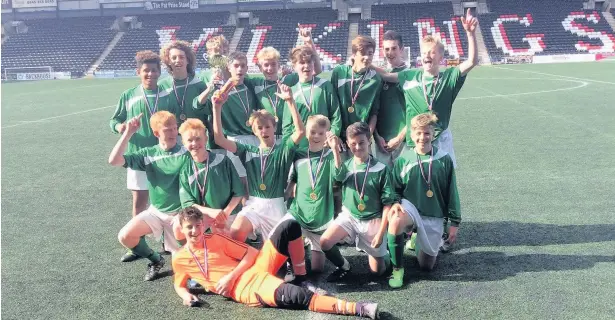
column 24, row 122
column 495, row 95
column 553, row 115
column 555, row 75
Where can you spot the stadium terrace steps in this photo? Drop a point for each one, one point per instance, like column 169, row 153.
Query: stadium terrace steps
column 235, row 39
column 105, row 53
column 609, row 18
column 483, row 53
column 353, row 31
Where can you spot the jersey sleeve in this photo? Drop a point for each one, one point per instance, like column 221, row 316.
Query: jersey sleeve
column 454, row 208
column 241, row 151
column 237, row 187
column 119, row 116
column 340, row 173
column 396, row 181
column 333, row 104
column 405, row 75
column 454, row 81
column 376, row 104
column 180, row 277
column 205, row 107
column 135, row 160
column 288, row 153
column 387, row 194
column 288, row 127
column 186, row 195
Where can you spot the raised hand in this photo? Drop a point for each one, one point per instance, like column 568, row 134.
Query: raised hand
column 469, row 22
column 133, row 124
column 285, row 93
column 306, row 34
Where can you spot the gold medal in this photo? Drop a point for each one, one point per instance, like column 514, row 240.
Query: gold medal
column 247, row 123
column 361, row 206
column 429, row 193
column 350, row 109
column 263, row 187
column 182, row 117
column 313, row 196
column 276, row 119
column 385, row 86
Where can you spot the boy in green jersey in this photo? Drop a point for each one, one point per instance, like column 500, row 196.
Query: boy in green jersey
column 209, row 182
column 266, row 85
column 237, row 109
column 180, row 60
column 391, row 125
column 314, row 170
column 429, row 89
column 357, row 86
column 267, row 166
column 366, row 196
column 144, row 99
column 313, row 95
column 161, row 164
column 424, row 180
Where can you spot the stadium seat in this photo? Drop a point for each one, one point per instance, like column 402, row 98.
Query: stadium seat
column 69, row 44
column 157, row 30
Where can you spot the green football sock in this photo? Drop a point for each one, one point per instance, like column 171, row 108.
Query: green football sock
column 396, row 248
column 335, row 256
column 145, row 251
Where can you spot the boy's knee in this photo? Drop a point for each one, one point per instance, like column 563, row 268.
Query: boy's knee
column 326, row 244
column 123, row 236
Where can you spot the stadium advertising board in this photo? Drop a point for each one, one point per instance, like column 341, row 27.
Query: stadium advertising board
column 171, row 4
column 565, row 58
column 34, row 76
column 7, row 4
column 33, row 3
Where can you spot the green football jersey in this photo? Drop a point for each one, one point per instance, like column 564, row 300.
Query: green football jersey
column 313, row 207
column 377, row 191
column 347, row 84
column 265, row 90
column 391, row 117
column 319, row 99
column 217, row 179
column 410, row 184
column 235, row 112
column 449, row 83
column 184, row 92
column 206, row 75
column 276, row 163
column 162, row 169
column 131, row 104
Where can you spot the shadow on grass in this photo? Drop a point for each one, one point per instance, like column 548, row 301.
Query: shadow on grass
column 512, row 233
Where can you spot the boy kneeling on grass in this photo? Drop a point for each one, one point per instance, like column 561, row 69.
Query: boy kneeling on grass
column 235, row 270
column 424, row 180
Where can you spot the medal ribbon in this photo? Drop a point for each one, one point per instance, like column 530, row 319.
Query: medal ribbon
column 181, row 103
column 264, row 162
column 420, row 163
column 245, row 107
column 203, row 268
column 277, row 99
column 434, row 86
column 149, row 107
column 354, row 165
column 199, row 185
column 356, row 94
column 309, row 104
column 313, row 176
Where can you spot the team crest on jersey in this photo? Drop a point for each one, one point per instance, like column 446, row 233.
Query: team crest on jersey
column 411, row 84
